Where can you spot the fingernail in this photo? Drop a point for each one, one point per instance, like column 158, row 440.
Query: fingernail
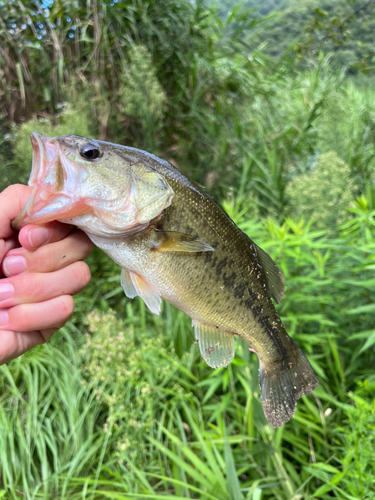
column 4, row 318
column 14, row 265
column 6, row 291
column 38, row 236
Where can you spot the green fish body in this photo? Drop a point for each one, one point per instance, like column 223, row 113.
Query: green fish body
column 174, row 242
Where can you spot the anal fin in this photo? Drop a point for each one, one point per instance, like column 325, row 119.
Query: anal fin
column 150, row 296
column 217, row 348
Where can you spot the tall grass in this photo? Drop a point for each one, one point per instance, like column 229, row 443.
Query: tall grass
column 48, row 421
column 144, row 417
column 177, row 78
column 120, row 404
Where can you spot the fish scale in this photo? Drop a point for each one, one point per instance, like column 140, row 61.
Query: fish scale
column 174, row 242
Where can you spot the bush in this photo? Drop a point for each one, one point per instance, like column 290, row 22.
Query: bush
column 142, row 96
column 128, row 371
column 324, row 194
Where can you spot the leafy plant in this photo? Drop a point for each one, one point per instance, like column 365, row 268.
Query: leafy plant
column 120, row 404
column 323, row 195
column 142, row 96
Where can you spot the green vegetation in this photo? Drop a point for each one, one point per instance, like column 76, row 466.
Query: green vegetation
column 327, row 192
column 128, row 406
column 120, row 404
column 340, row 27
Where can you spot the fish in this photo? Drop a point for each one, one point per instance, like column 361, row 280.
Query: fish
column 173, row 241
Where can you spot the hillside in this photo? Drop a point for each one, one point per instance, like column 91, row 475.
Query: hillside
column 345, row 28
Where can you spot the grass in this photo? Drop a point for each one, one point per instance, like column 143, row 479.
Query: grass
column 167, row 425
column 119, row 404
column 47, row 422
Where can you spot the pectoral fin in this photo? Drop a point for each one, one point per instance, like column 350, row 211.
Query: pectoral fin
column 172, row 241
column 217, row 348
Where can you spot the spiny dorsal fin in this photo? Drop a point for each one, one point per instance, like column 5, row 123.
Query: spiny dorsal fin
column 217, row 348
column 172, row 241
column 274, row 277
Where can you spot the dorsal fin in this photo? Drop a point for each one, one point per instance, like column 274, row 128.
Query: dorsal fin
column 273, row 275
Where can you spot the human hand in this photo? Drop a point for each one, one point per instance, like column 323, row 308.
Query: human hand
column 40, row 276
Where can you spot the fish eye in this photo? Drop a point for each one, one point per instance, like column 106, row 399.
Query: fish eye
column 89, row 152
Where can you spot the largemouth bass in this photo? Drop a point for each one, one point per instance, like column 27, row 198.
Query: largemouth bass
column 173, row 242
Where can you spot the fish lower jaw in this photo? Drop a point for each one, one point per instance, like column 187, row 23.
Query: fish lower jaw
column 100, row 233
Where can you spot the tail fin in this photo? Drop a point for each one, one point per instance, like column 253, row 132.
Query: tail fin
column 281, row 384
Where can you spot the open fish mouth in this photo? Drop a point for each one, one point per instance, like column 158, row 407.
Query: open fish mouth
column 105, row 195
column 38, row 152
column 54, row 181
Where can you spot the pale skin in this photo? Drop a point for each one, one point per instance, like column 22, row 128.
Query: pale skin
column 41, row 268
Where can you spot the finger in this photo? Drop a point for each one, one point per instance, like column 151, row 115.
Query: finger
column 39, row 287
column 32, row 237
column 49, row 314
column 13, row 344
column 12, row 201
column 6, row 245
column 48, row 258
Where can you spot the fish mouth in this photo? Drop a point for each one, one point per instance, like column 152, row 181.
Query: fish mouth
column 53, row 181
column 69, row 189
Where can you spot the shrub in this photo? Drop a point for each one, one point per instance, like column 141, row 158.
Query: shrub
column 323, row 194
column 142, row 96
column 127, row 370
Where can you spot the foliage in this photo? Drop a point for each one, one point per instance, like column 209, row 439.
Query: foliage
column 48, row 420
column 120, row 404
column 189, row 88
column 305, row 29
column 324, row 194
column 128, row 372
column 349, row 129
column 185, row 429
column 359, row 443
column 263, row 8
column 142, row 96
